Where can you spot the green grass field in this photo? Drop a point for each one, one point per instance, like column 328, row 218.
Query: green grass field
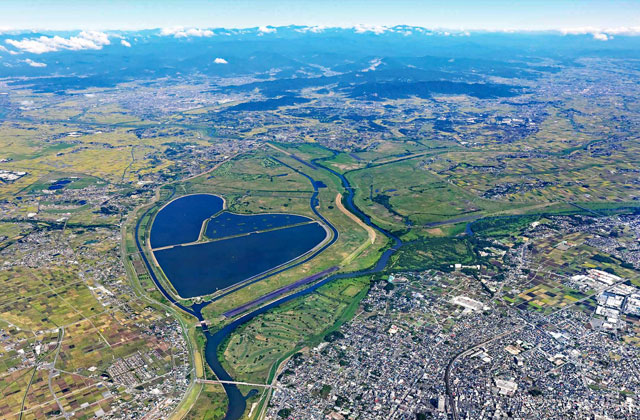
column 211, row 404
column 428, row 253
column 351, row 237
column 251, row 352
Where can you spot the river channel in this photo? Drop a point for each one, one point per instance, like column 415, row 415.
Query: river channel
column 237, row 401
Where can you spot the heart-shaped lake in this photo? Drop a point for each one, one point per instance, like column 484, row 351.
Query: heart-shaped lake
column 238, row 247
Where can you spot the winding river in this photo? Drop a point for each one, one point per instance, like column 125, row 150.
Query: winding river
column 237, row 401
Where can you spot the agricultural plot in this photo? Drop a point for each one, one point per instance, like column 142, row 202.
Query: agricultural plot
column 568, row 254
column 37, row 310
column 554, row 260
column 572, row 154
column 580, row 177
column 13, row 391
column 549, row 295
column 69, row 346
column 9, row 231
column 60, row 145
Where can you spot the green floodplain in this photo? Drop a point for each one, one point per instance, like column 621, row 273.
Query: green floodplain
column 434, row 216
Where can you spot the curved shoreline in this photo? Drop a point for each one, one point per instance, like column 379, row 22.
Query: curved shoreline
column 330, row 238
column 237, row 401
column 211, row 290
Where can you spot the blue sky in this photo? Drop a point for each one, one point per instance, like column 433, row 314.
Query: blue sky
column 453, row 14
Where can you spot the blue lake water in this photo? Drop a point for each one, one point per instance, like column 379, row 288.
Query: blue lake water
column 180, row 221
column 200, row 269
column 237, row 401
column 229, row 224
column 60, row 184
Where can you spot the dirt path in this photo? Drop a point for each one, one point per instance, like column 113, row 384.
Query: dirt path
column 370, row 231
column 278, row 149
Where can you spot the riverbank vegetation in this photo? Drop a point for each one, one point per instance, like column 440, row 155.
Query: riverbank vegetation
column 304, row 322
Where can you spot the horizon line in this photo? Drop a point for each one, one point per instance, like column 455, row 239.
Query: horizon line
column 361, row 28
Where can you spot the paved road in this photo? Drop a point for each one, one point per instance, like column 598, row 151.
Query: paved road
column 464, row 353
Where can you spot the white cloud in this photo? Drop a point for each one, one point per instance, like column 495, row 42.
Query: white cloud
column 199, row 32
column 623, row 30
column 602, row 34
column 219, row 60
column 180, row 32
column 125, row 43
column 98, row 38
column 361, row 29
column 86, row 40
column 267, row 29
column 3, row 48
column 171, row 31
column 317, row 29
column 314, row 29
column 34, row 63
column 580, row 30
